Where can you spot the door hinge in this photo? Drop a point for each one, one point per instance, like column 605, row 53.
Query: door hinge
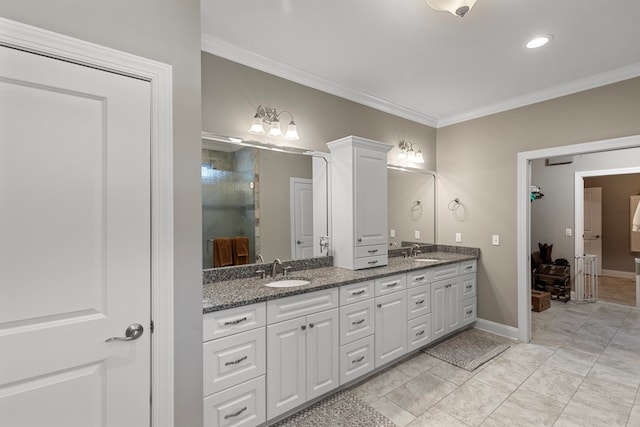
column 151, row 328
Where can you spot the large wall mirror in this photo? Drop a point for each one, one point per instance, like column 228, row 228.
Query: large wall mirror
column 275, row 199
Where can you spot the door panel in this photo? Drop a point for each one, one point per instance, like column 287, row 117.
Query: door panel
column 302, row 218
column 74, row 243
column 323, row 370
column 593, row 224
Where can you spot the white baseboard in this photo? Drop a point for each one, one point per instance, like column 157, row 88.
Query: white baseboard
column 498, row 328
column 620, row 274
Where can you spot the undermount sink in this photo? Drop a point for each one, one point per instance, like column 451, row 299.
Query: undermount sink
column 287, row 283
column 426, row 259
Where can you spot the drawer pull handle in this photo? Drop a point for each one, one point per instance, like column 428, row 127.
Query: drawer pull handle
column 357, row 322
column 420, row 333
column 391, row 285
column 372, row 251
column 373, row 262
column 470, row 311
column 419, row 278
column 235, row 362
column 469, row 286
column 358, row 292
column 468, row 267
column 235, row 414
column 379, row 305
column 358, row 360
column 420, row 302
column 235, row 322
column 359, row 239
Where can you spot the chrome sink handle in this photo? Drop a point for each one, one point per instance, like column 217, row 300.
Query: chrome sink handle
column 133, row 332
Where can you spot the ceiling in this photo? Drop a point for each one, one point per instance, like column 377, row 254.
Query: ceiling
column 407, row 59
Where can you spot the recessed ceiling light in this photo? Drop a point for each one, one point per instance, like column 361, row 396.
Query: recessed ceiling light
column 539, row 41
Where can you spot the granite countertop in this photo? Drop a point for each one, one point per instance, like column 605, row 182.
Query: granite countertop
column 233, row 293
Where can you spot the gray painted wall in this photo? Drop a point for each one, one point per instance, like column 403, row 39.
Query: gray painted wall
column 477, row 163
column 169, row 32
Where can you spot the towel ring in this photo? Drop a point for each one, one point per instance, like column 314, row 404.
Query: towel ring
column 454, row 204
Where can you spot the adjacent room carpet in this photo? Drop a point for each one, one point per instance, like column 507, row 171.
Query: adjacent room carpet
column 469, row 349
column 342, row 409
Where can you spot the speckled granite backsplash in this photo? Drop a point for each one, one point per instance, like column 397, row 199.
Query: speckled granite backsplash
column 222, row 274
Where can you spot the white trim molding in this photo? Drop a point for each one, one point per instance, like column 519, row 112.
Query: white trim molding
column 33, row 39
column 619, row 274
column 242, row 56
column 497, row 328
column 524, row 213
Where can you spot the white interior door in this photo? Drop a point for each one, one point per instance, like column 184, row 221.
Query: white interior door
column 301, row 191
column 593, row 224
column 74, row 244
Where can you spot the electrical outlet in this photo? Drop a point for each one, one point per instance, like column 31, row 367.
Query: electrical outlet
column 416, row 234
column 568, row 232
column 495, row 240
column 392, row 233
column 458, row 237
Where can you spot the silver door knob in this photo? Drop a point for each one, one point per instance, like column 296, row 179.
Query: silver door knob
column 133, row 332
column 299, row 242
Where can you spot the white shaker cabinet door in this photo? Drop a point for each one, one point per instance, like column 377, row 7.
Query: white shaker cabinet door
column 391, row 327
column 323, row 362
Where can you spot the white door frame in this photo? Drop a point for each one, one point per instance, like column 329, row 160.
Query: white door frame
column 524, row 214
column 36, row 40
column 579, row 201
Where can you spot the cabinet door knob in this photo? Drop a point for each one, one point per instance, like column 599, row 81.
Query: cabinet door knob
column 359, row 239
column 379, row 305
column 299, row 242
column 303, row 327
column 311, row 325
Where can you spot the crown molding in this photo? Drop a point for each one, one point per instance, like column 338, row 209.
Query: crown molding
column 580, row 85
column 234, row 53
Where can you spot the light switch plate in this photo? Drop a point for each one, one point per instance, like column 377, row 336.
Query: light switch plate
column 458, row 237
column 416, row 234
column 392, row 233
column 495, row 240
column 568, row 232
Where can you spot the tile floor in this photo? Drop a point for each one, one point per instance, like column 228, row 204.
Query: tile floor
column 617, row 290
column 582, row 368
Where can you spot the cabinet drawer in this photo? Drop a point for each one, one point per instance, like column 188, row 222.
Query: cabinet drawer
column 468, row 311
column 470, row 266
column 231, row 360
column 468, row 286
column 356, row 321
column 418, row 332
column 418, row 301
column 356, row 359
column 445, row 272
column 371, row 250
column 370, row 261
column 242, row 405
column 301, row 305
column 355, row 292
column 387, row 285
column 418, row 278
column 226, row 322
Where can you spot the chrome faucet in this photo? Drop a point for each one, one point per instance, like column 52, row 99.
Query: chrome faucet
column 274, row 267
column 393, row 244
column 415, row 249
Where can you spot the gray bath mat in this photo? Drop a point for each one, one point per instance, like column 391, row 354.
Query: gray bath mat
column 342, row 409
column 469, row 349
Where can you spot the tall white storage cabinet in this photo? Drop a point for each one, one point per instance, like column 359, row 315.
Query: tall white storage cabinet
column 359, row 202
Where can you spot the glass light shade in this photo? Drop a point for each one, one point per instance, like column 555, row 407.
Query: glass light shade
column 292, row 132
column 455, row 7
column 275, row 129
column 419, row 157
column 256, row 125
column 402, row 155
column 411, row 155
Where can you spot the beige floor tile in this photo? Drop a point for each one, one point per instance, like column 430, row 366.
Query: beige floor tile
column 528, row 409
column 435, row 417
column 399, row 416
column 579, row 414
column 600, row 392
column 421, row 393
column 622, row 376
column 492, row 422
column 576, row 361
column 472, row 402
column 505, row 374
column 380, row 384
column 588, row 343
column 451, row 373
column 531, row 354
column 553, row 382
column 418, row 364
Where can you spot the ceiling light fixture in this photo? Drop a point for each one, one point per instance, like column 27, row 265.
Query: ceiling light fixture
column 539, row 41
column 407, row 152
column 455, row 7
column 271, row 117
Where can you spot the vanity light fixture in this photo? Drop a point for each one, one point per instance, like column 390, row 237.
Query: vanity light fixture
column 269, row 116
column 408, row 153
column 455, row 7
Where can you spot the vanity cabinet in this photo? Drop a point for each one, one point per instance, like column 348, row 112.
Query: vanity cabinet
column 302, row 352
column 390, row 318
column 234, row 365
column 453, row 299
column 359, row 200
